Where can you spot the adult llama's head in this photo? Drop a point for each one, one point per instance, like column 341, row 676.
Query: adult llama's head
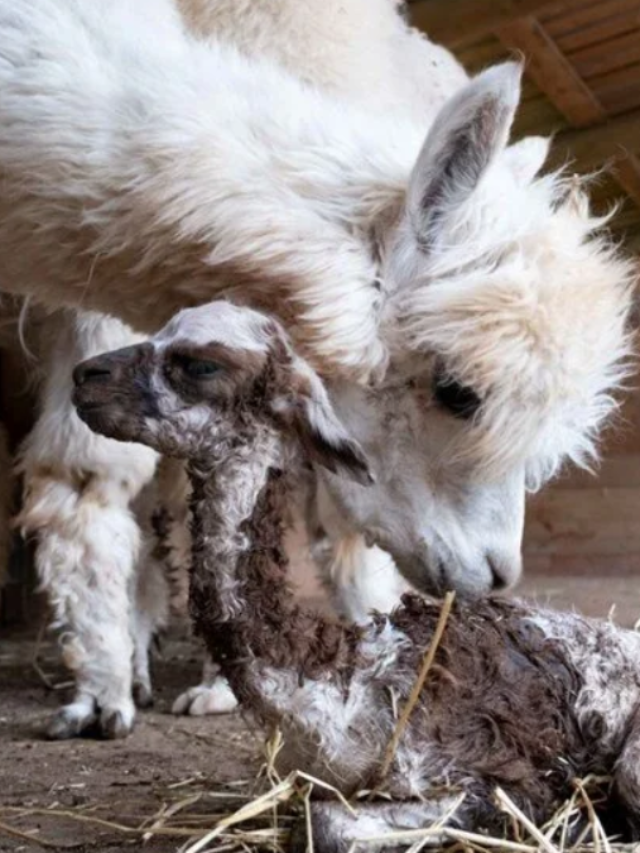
column 505, row 320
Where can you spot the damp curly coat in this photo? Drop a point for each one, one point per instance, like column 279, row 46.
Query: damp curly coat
column 519, row 697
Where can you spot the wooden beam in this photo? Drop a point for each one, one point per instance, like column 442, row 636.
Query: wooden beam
column 552, row 72
column 592, row 147
column 453, row 21
column 627, row 174
column 632, row 245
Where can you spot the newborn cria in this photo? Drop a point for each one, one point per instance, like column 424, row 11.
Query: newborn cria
column 519, row 697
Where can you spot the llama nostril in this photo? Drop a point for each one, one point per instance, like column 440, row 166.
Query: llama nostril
column 88, row 370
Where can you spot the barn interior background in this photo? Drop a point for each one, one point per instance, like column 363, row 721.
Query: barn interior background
column 582, row 85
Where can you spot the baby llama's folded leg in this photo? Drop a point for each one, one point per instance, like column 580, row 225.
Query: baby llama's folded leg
column 371, row 827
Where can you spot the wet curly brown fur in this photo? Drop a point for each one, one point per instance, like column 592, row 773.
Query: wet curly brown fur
column 271, row 627
column 499, row 703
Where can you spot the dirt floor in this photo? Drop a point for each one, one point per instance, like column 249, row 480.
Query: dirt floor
column 164, row 761
column 167, row 759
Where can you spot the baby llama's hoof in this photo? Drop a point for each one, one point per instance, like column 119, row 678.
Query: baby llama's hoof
column 206, row 699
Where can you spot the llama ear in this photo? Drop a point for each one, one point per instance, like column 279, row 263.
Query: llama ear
column 526, row 157
column 308, row 413
column 466, row 136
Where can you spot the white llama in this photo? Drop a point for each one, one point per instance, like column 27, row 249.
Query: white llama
column 329, row 44
column 472, row 322
column 518, row 697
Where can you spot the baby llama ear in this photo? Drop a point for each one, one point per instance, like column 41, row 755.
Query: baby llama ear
column 307, row 413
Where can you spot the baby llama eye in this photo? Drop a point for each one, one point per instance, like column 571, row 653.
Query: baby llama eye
column 198, row 369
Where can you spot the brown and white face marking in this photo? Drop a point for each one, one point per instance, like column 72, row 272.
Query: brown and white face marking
column 214, row 377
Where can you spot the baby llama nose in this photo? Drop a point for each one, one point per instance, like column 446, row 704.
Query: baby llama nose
column 95, row 368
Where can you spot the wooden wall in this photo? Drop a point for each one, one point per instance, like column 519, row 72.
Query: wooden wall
column 587, row 523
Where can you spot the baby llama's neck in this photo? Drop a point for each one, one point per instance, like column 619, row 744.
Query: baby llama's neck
column 241, row 600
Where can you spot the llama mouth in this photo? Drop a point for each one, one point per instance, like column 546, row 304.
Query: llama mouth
column 84, row 403
column 89, row 406
column 91, row 411
column 92, row 414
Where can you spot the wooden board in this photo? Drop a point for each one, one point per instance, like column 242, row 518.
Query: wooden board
column 552, row 72
column 452, row 21
column 584, row 522
column 598, row 31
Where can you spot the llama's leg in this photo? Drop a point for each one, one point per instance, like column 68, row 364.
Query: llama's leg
column 334, row 829
column 362, row 579
column 149, row 615
column 6, row 485
column 359, row 578
column 212, row 696
column 170, row 522
column 87, row 545
column 78, row 490
column 151, row 610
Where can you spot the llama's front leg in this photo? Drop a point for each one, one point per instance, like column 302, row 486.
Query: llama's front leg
column 151, row 608
column 360, row 579
column 87, row 546
column 212, row 696
column 78, row 489
column 371, row 827
column 6, row 486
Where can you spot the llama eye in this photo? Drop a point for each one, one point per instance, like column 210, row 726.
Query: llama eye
column 199, row 368
column 460, row 400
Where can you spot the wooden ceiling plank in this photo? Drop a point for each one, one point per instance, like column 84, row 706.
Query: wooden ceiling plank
column 481, row 54
column 618, row 100
column 552, row 71
column 619, row 91
column 595, row 33
column 561, row 22
column 455, row 21
column 594, row 146
column 607, row 56
column 627, row 173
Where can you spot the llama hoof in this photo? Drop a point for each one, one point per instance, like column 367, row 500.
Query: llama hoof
column 115, row 724
column 142, row 695
column 205, row 699
column 73, row 720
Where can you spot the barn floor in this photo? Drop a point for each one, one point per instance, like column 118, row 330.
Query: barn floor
column 166, row 758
